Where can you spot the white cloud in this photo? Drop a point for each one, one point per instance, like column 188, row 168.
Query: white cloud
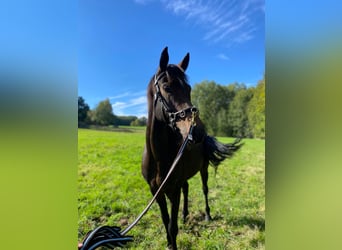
column 138, row 101
column 223, row 21
column 222, row 56
column 119, row 105
column 120, row 96
column 135, row 106
column 128, row 93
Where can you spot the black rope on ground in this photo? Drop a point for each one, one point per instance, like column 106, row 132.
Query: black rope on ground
column 107, row 236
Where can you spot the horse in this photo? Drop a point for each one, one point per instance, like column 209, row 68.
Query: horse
column 170, row 115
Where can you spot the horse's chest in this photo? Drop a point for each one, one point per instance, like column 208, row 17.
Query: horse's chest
column 191, row 161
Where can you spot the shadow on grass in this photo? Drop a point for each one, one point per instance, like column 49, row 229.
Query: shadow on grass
column 249, row 221
column 196, row 222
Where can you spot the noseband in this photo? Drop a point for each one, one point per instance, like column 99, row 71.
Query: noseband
column 170, row 116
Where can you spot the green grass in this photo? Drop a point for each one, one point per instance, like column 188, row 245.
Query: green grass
column 112, row 191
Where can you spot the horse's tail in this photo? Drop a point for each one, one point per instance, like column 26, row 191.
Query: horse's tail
column 217, row 151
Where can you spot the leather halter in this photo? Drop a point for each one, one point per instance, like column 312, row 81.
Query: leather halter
column 171, row 117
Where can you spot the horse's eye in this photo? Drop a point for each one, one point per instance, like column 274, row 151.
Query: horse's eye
column 167, row 88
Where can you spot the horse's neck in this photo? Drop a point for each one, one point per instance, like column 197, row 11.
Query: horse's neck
column 158, row 140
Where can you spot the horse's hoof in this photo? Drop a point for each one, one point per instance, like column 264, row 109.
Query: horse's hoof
column 169, row 247
column 208, row 217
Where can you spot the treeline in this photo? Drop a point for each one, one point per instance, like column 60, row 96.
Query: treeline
column 232, row 110
column 103, row 115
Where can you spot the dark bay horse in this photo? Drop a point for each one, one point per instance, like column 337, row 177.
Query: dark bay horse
column 170, row 113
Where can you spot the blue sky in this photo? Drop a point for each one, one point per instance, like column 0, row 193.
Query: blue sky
column 120, row 41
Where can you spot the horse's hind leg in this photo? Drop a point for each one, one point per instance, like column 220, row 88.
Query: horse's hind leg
column 185, row 189
column 204, row 176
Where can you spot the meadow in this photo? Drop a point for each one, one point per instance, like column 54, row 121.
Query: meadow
column 112, row 191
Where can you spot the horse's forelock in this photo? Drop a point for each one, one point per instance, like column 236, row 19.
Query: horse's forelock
column 173, row 72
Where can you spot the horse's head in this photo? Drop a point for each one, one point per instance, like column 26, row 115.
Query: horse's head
column 171, row 91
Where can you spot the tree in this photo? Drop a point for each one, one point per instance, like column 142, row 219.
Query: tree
column 223, row 112
column 103, row 114
column 227, row 126
column 237, row 115
column 210, row 98
column 256, row 110
column 126, row 120
column 224, row 128
column 139, row 122
column 83, row 109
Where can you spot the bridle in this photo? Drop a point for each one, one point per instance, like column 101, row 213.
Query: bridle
column 170, row 116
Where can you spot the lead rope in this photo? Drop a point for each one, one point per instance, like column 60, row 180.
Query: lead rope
column 178, row 156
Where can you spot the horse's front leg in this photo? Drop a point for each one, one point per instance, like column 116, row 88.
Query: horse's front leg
column 161, row 200
column 185, row 189
column 173, row 225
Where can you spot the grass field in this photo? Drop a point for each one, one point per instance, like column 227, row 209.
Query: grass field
column 112, row 191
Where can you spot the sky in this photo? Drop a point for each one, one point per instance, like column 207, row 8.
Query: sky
column 120, row 41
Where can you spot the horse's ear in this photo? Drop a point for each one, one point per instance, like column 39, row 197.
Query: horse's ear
column 164, row 60
column 185, row 62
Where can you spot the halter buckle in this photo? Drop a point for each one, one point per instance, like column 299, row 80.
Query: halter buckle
column 194, row 113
